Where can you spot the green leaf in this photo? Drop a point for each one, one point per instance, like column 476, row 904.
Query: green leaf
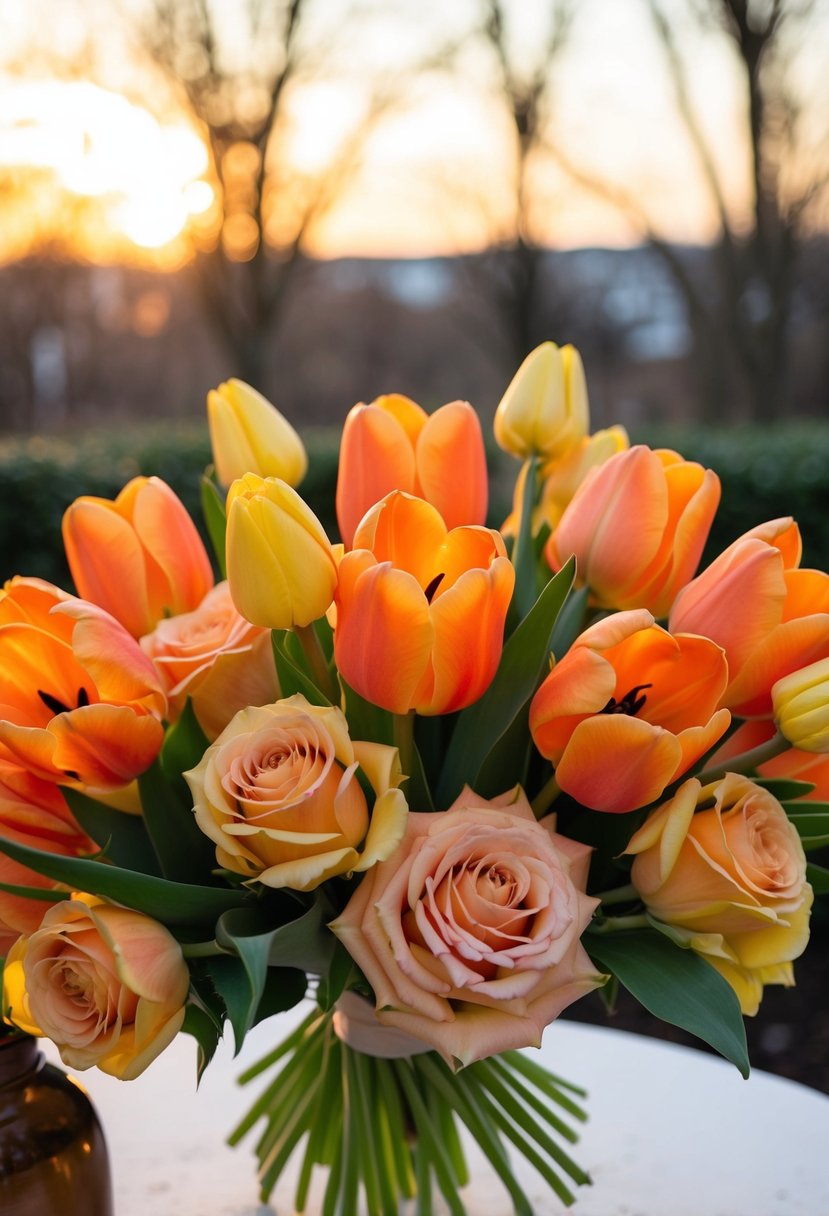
column 569, row 623
column 818, row 876
column 341, row 972
column 172, row 903
column 257, row 949
column 48, row 895
column 677, row 986
column 523, row 664
column 199, row 1024
column 215, row 517
column 184, row 745
column 184, row 853
column 366, row 722
column 812, row 824
column 784, row 788
column 305, row 942
column 291, row 670
column 122, row 837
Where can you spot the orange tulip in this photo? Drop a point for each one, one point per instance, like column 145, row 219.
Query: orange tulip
column 420, row 609
column 139, row 557
column 79, row 700
column 32, row 812
column 794, row 764
column 393, row 444
column 769, row 617
column 637, row 525
column 628, row 710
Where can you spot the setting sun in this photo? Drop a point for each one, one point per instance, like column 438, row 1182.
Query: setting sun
column 144, row 178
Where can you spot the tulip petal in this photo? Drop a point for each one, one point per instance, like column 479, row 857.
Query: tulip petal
column 451, row 464
column 384, row 640
column 93, row 531
column 172, row 542
column 376, row 457
column 617, row 763
column 792, row 645
column 117, row 664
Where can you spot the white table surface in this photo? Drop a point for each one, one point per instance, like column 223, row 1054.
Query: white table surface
column 672, row 1132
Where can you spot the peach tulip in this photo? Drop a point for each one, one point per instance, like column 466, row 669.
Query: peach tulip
column 32, row 812
column 139, row 557
column 79, row 700
column 393, row 444
column 637, row 525
column 770, row 617
column 628, row 710
column 421, row 609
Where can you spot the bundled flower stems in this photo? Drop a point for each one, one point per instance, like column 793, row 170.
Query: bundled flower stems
column 440, row 778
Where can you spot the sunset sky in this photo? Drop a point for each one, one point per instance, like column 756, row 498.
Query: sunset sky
column 132, row 176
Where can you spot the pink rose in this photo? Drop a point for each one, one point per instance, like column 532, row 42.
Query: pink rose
column 469, row 933
column 215, row 657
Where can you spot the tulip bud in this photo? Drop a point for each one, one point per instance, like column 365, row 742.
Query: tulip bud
column 801, row 707
column 249, row 435
column 545, row 409
column 280, row 565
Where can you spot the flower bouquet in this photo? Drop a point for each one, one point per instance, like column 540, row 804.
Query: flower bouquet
column 441, row 779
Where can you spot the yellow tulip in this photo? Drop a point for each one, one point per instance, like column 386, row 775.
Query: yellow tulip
column 545, row 408
column 280, row 565
column 249, row 435
column 801, row 707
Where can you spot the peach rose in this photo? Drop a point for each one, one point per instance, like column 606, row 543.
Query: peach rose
column 279, row 793
column 469, row 933
column 724, row 867
column 215, row 657
column 107, row 985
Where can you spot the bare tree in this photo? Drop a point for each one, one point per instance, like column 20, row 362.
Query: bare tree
column 241, row 85
column 525, row 87
column 740, row 314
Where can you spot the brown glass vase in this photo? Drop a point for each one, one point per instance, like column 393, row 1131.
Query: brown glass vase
column 53, row 1156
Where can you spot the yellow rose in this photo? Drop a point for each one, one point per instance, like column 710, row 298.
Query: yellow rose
column 107, row 985
column 279, row 794
column 724, row 867
column 469, row 933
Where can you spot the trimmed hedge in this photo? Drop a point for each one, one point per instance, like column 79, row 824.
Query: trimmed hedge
column 765, row 473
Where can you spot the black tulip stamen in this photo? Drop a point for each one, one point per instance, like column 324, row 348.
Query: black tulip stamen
column 57, row 706
column 432, row 587
column 630, row 703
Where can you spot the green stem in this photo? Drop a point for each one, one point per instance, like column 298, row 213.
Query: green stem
column 618, row 924
column 618, row 895
column 545, row 797
column 748, row 760
column 203, row 949
column 317, row 664
column 523, row 553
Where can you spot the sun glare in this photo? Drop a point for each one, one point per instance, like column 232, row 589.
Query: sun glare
column 145, row 175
